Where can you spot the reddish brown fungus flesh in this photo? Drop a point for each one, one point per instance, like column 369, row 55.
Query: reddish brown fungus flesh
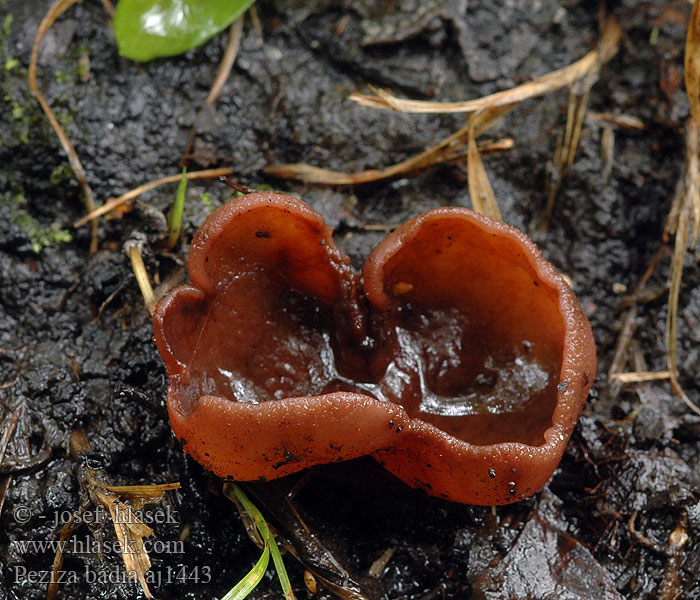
column 459, row 358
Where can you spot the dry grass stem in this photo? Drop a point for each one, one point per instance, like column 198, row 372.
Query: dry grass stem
column 130, row 531
column 142, row 278
column 489, row 110
column 480, row 190
column 684, row 209
column 565, row 150
column 641, row 376
column 113, row 203
column 222, row 73
column 692, row 62
column 139, row 495
column 56, row 10
column 607, row 153
column 379, row 565
column 619, row 359
column 226, row 64
column 622, row 121
column 128, row 526
column 448, row 151
column 64, row 534
column 380, row 227
column 257, row 25
column 109, row 7
column 578, row 102
column 538, row 86
column 638, row 294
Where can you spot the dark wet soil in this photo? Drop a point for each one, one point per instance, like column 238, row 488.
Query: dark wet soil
column 75, row 339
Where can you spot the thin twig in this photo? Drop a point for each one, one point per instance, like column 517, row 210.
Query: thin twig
column 226, row 64
column 58, row 8
column 222, row 73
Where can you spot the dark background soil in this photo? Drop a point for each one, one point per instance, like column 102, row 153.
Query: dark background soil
column 68, row 360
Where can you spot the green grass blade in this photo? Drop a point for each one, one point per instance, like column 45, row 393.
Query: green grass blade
column 175, row 221
column 251, row 579
column 281, row 570
column 232, row 490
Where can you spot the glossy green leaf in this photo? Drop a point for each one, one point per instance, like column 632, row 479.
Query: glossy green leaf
column 148, row 29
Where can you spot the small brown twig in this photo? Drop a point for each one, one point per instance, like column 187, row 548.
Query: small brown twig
column 56, row 10
column 222, row 73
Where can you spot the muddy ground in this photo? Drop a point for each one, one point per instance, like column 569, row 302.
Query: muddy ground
column 75, row 338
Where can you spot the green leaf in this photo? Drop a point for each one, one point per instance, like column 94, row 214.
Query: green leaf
column 148, row 29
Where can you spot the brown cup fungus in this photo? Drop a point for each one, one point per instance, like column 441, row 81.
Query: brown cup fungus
column 459, row 358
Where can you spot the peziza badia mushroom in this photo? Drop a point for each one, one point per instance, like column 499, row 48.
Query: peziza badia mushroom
column 459, row 359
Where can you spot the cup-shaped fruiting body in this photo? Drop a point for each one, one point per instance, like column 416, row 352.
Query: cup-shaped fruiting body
column 459, row 359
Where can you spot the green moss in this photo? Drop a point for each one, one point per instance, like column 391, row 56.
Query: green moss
column 206, row 200
column 64, row 117
column 62, row 76
column 21, row 118
column 83, row 69
column 39, row 235
column 61, row 174
column 15, row 96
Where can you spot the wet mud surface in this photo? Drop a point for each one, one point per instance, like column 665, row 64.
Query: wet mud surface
column 621, row 516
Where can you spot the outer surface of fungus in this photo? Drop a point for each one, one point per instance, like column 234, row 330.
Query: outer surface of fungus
column 460, row 360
